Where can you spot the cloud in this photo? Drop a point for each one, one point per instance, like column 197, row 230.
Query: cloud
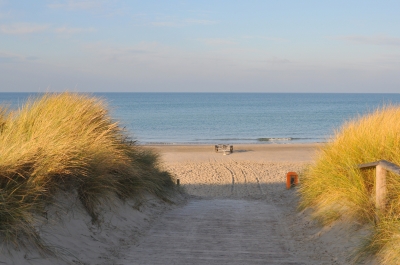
column 31, row 58
column 70, row 31
column 14, row 58
column 386, row 60
column 104, row 8
column 76, row 4
column 7, row 58
column 165, row 24
column 217, row 41
column 122, row 54
column 276, row 60
column 22, row 28
column 200, row 22
column 27, row 28
column 372, row 40
column 182, row 22
column 265, row 38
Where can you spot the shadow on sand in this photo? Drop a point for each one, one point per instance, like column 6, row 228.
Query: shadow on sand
column 271, row 192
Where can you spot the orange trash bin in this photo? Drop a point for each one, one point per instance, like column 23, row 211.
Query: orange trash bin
column 292, row 179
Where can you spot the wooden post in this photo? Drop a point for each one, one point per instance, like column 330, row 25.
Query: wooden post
column 380, row 194
column 381, row 166
column 178, row 182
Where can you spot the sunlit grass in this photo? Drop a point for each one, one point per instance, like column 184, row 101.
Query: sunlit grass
column 69, row 142
column 335, row 188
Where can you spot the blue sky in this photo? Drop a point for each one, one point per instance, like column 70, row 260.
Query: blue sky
column 200, row 46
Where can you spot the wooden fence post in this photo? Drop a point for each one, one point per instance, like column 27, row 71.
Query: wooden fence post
column 380, row 187
column 381, row 167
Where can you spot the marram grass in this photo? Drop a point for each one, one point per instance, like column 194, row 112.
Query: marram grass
column 67, row 141
column 335, row 188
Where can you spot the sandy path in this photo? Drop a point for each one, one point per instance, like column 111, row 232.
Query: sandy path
column 239, row 212
column 219, row 231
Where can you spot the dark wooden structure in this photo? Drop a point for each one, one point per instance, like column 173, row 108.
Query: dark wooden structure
column 224, row 147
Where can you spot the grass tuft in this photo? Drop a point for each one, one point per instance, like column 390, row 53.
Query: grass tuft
column 335, row 188
column 67, row 142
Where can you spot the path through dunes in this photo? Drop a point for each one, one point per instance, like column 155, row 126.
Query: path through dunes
column 239, row 213
column 220, row 231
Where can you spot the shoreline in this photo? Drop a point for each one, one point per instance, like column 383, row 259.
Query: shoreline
column 241, row 152
column 227, row 143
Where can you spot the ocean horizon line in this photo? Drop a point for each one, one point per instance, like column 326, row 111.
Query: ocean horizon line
column 193, row 92
column 237, row 118
column 265, row 140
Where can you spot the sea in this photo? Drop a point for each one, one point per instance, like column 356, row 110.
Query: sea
column 234, row 118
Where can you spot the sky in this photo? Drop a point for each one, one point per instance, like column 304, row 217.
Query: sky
column 200, row 46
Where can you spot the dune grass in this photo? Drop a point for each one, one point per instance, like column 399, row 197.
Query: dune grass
column 67, row 142
column 335, row 188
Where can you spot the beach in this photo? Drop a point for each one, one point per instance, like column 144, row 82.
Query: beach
column 241, row 152
column 251, row 181
column 250, row 171
column 234, row 209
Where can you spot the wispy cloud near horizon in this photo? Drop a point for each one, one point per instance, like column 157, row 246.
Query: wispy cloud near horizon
column 277, row 39
column 276, row 60
column 29, row 28
column 217, row 41
column 372, row 40
column 70, row 31
column 22, row 28
column 182, row 22
column 75, row 4
column 163, row 45
column 6, row 57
